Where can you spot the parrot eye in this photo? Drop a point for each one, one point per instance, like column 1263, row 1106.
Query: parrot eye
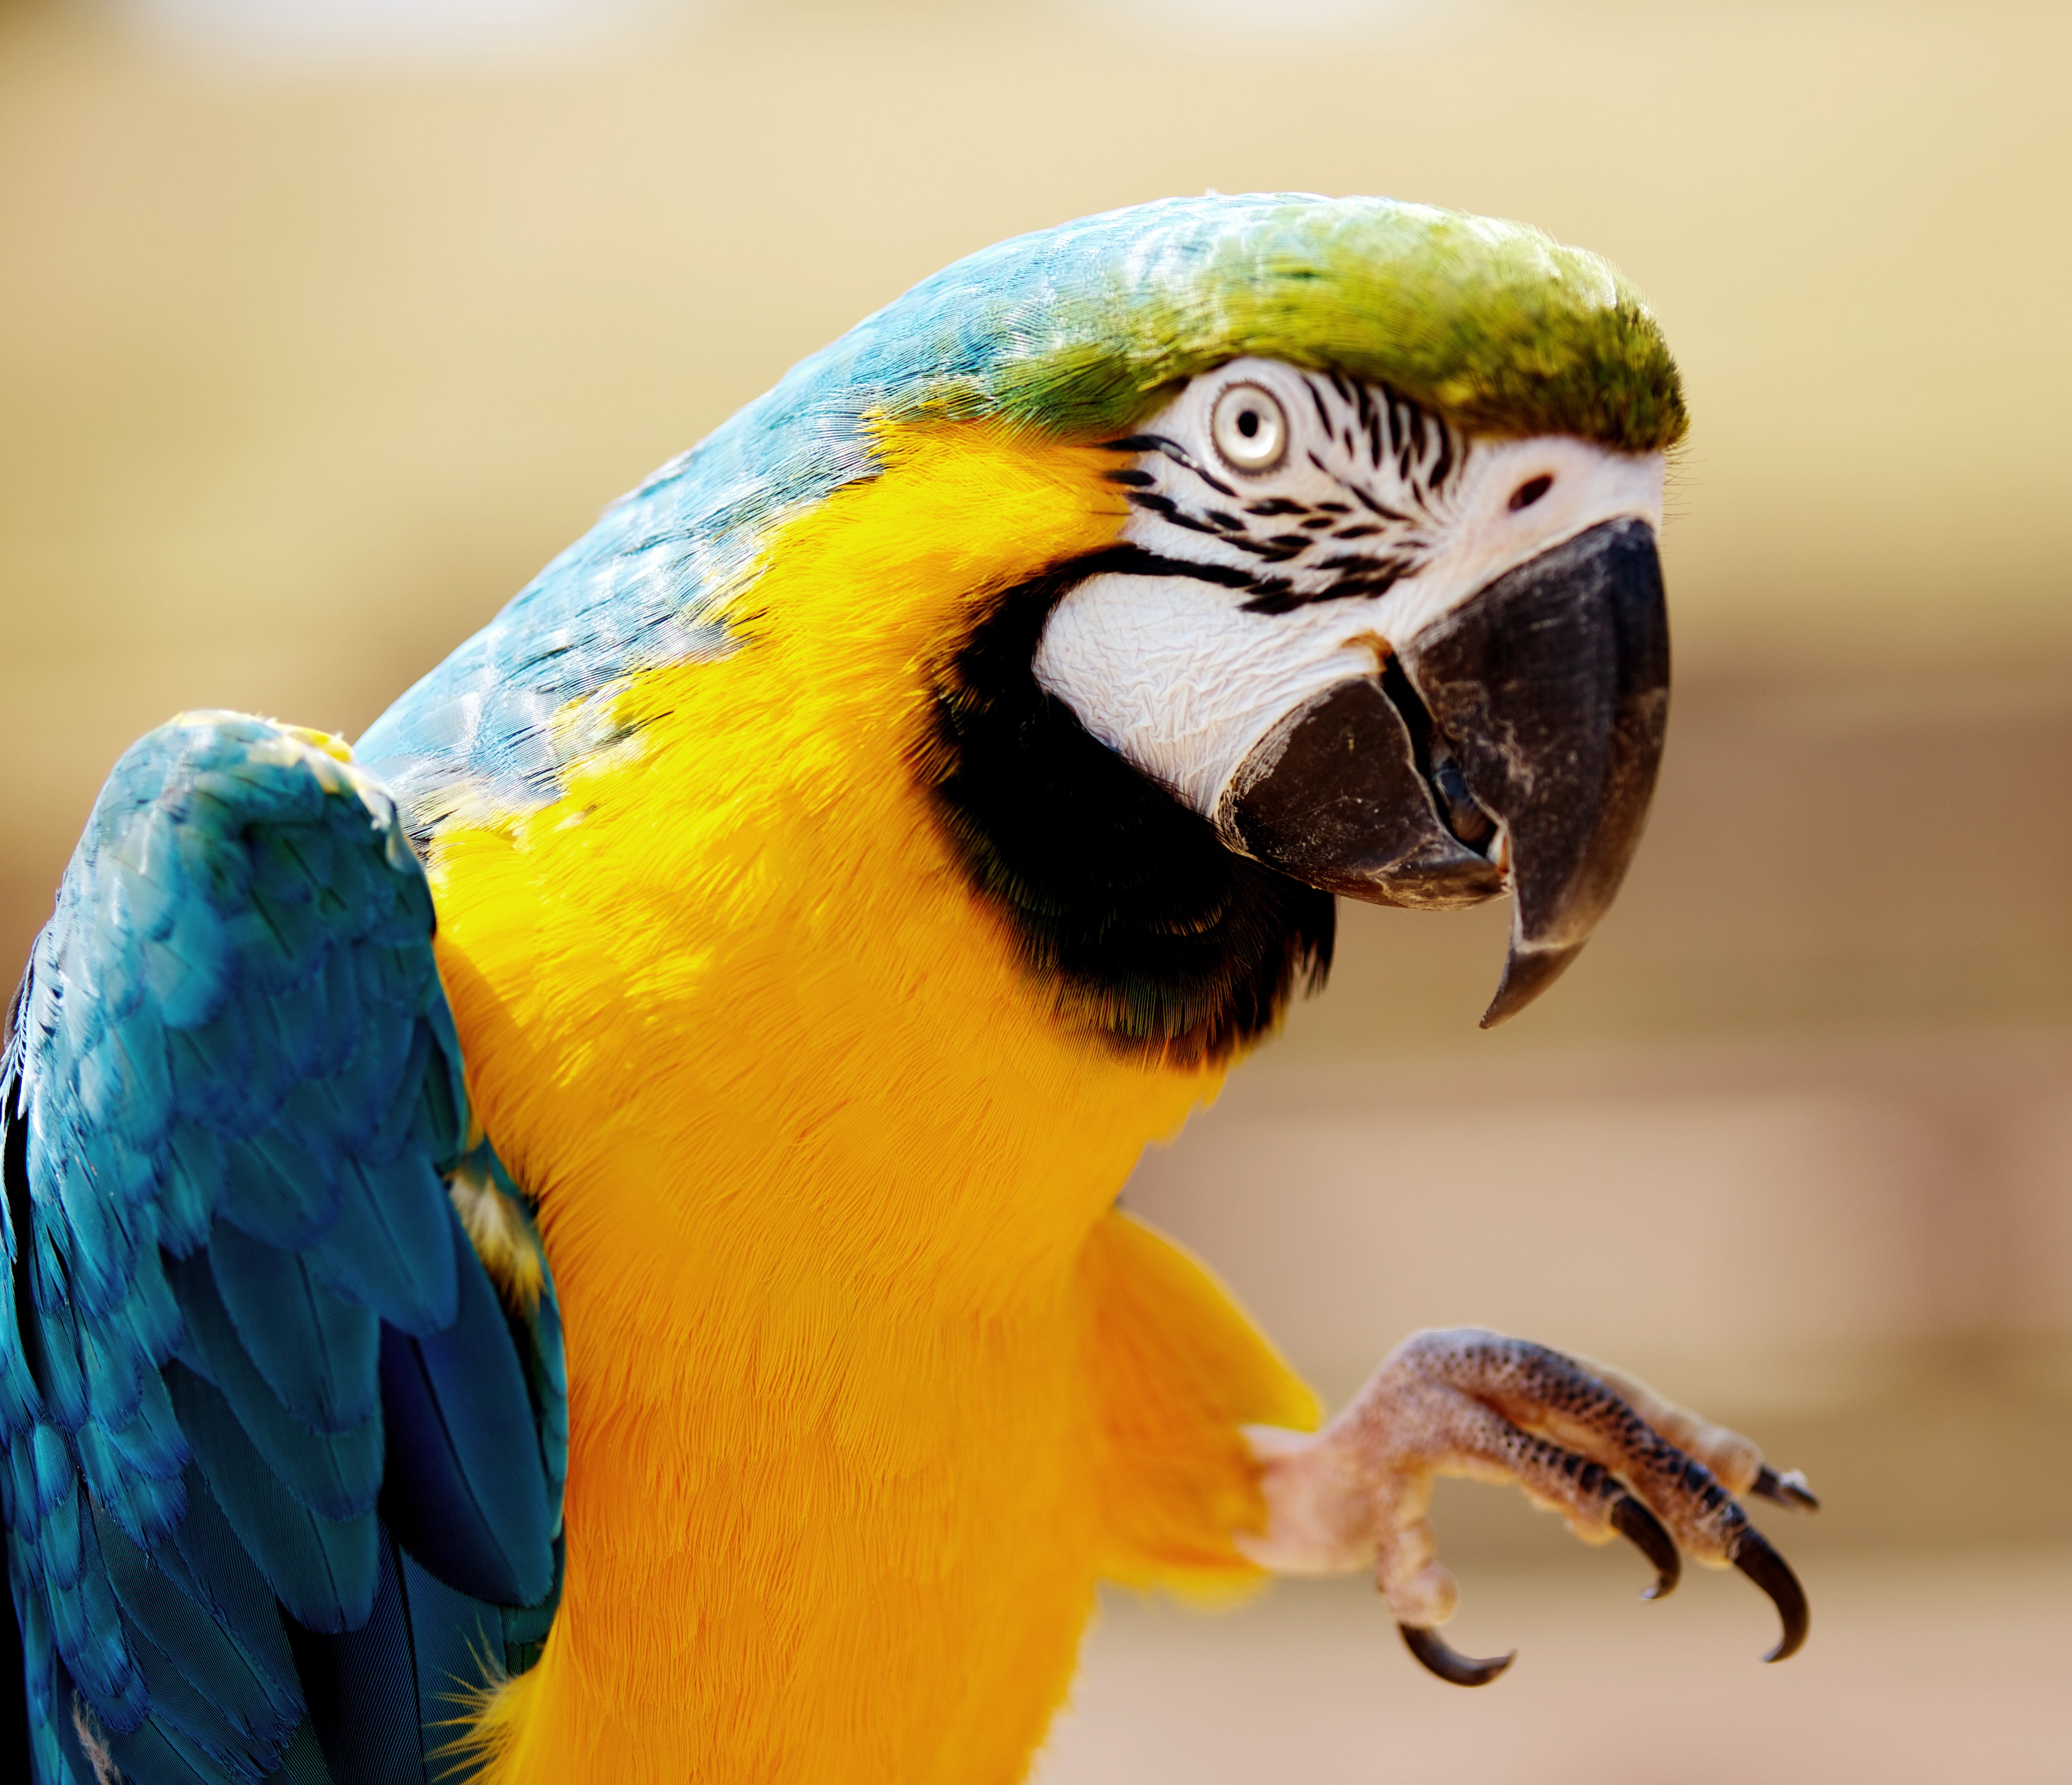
column 1249, row 428
column 1530, row 491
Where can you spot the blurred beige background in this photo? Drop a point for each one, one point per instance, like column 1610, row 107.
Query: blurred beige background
column 324, row 322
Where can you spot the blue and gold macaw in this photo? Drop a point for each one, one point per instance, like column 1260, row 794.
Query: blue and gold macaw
column 766, row 947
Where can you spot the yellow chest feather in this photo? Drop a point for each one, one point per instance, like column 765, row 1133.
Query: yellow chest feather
column 817, row 1164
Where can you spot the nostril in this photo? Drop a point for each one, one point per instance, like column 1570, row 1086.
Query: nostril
column 1530, row 491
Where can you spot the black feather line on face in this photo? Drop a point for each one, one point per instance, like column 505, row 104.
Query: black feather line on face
column 1156, row 936
column 1364, row 428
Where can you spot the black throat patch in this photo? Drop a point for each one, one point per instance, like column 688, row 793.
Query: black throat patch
column 1157, row 936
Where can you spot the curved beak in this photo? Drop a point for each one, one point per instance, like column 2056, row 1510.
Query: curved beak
column 1513, row 740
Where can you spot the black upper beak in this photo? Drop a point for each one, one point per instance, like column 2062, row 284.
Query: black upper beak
column 1535, row 708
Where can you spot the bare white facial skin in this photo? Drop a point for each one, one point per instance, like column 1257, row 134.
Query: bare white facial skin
column 1379, row 518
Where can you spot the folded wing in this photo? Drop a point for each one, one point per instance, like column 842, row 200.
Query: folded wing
column 283, row 1464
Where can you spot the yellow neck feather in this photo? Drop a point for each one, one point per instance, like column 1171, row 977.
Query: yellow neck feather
column 815, row 1155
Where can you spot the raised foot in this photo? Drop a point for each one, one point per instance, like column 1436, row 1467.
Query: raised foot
column 1604, row 1451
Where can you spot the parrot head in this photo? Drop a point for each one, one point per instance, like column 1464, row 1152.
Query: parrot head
column 1386, row 615
column 1389, row 657
column 1368, row 604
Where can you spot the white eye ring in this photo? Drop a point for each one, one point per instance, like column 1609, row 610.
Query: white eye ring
column 1249, row 427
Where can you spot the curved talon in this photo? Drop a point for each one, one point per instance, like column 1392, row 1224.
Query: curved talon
column 1450, row 1665
column 1755, row 1558
column 1643, row 1530
column 1788, row 1489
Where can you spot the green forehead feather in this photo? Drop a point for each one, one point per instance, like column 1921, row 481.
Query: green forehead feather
column 1077, row 329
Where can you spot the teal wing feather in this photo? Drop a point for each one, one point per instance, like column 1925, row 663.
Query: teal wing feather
column 282, row 1472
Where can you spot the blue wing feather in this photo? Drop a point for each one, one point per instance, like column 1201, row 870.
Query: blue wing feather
column 315, row 1350
column 243, row 1311
column 334, row 1473
column 320, row 1569
column 239, row 1686
column 452, row 1497
column 414, row 1664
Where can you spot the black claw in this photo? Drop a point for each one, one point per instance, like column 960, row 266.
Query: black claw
column 1643, row 1530
column 1755, row 1558
column 1456, row 1669
column 1789, row 1489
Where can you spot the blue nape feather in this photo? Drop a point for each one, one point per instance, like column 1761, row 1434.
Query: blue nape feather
column 282, row 1474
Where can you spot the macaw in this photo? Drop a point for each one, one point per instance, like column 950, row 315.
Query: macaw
column 577, row 1238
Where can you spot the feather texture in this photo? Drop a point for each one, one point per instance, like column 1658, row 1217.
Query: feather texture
column 458, row 1498
column 232, row 1089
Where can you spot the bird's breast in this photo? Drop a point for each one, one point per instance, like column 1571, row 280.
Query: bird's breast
column 816, row 1155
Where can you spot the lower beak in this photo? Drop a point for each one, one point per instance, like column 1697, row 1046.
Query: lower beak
column 1523, row 729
